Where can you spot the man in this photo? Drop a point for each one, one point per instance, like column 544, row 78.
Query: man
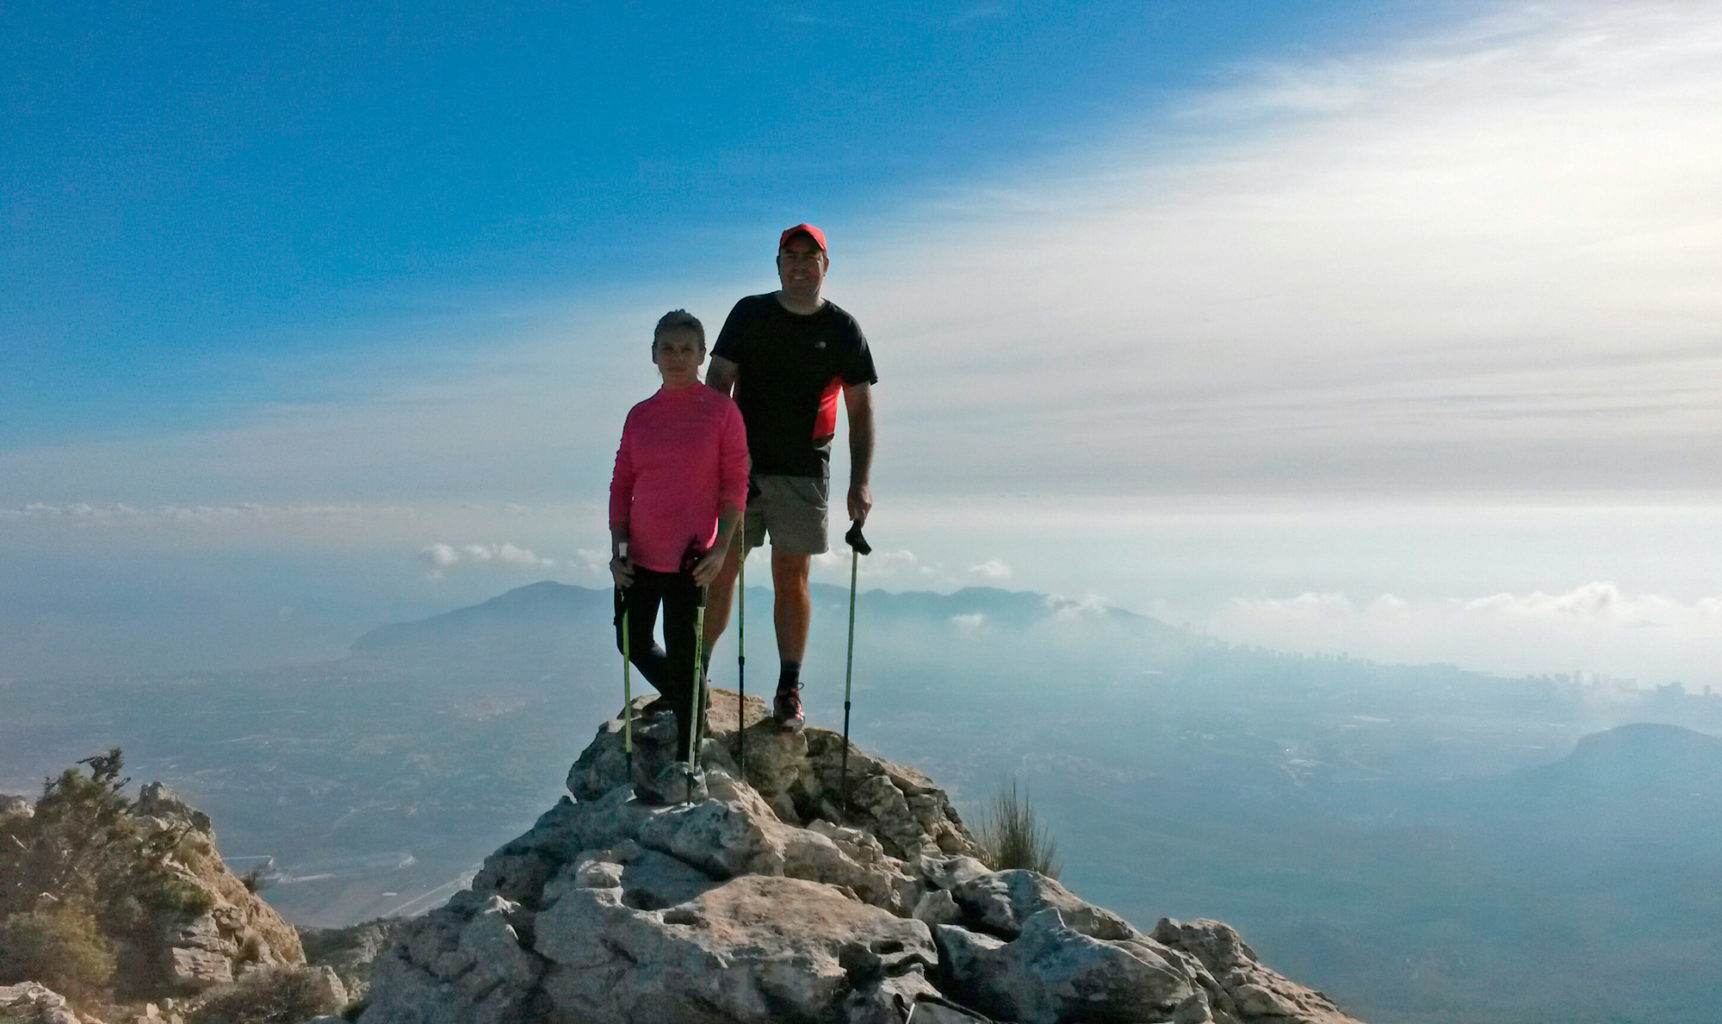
column 785, row 356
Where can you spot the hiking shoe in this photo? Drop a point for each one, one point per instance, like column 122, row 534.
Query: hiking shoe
column 786, row 709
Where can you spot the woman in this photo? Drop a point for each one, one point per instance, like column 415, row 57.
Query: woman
column 676, row 499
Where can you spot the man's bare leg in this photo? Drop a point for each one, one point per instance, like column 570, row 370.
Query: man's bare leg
column 718, row 597
column 792, row 611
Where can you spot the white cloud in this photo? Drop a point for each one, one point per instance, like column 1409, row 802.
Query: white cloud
column 1066, row 608
column 519, row 556
column 1305, row 607
column 595, row 560
column 1599, row 602
column 442, row 557
column 993, row 570
column 879, row 567
column 969, row 623
column 1388, row 604
column 1597, row 627
column 890, row 563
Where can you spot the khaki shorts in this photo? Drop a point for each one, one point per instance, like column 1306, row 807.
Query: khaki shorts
column 793, row 509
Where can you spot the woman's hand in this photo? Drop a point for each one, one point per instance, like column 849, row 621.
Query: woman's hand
column 707, row 567
column 622, row 570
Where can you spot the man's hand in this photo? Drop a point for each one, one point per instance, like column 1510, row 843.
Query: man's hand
column 707, row 567
column 860, row 502
column 622, row 570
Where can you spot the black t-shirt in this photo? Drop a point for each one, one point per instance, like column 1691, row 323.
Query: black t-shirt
column 790, row 370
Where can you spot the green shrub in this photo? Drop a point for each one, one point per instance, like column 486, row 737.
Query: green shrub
column 60, row 947
column 283, row 996
column 1011, row 835
column 108, row 879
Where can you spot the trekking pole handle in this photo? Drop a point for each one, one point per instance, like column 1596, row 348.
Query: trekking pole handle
column 854, row 539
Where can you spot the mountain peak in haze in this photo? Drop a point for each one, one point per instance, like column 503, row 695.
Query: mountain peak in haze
column 794, row 892
column 544, row 620
column 1639, row 756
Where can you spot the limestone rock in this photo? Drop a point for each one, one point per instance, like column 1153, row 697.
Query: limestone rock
column 350, row 952
column 753, row 948
column 199, row 956
column 774, row 899
column 799, row 775
column 1052, row 973
column 1001, row 901
column 156, row 800
column 10, row 804
column 37, row 1004
column 191, row 953
column 1254, row 991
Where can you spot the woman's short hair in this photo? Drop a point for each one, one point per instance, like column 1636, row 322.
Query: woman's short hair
column 679, row 320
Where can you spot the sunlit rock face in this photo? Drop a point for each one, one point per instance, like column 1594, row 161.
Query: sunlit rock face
column 790, row 893
column 239, row 932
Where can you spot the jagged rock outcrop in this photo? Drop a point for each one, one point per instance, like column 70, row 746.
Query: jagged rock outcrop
column 193, row 952
column 1255, row 991
column 771, row 900
column 141, row 916
column 351, row 951
column 32, row 1003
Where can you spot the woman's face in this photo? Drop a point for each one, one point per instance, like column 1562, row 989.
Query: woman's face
column 678, row 352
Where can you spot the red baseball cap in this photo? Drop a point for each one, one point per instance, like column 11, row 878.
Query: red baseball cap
column 809, row 230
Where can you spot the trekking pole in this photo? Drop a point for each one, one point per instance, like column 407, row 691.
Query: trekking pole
column 741, row 655
column 627, row 678
column 699, row 687
column 858, row 546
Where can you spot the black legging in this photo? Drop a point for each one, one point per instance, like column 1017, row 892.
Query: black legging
column 670, row 673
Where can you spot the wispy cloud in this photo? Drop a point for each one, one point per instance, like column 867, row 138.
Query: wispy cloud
column 969, row 623
column 1476, row 262
column 120, row 513
column 1480, row 261
column 993, row 570
column 977, row 12
column 1598, row 603
column 440, row 558
column 1077, row 607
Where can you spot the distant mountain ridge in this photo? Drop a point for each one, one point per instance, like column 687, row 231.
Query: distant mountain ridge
column 1641, row 777
column 524, row 610
column 547, row 612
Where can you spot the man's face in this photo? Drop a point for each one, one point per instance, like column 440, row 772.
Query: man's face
column 801, row 266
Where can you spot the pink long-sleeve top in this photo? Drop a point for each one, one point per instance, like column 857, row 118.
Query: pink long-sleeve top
column 683, row 457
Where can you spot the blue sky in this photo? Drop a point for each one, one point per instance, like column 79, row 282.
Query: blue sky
column 301, row 293
column 197, row 190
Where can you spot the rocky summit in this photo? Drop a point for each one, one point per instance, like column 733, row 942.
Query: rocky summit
column 783, row 895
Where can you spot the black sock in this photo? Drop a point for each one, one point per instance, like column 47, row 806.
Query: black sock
column 790, row 676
